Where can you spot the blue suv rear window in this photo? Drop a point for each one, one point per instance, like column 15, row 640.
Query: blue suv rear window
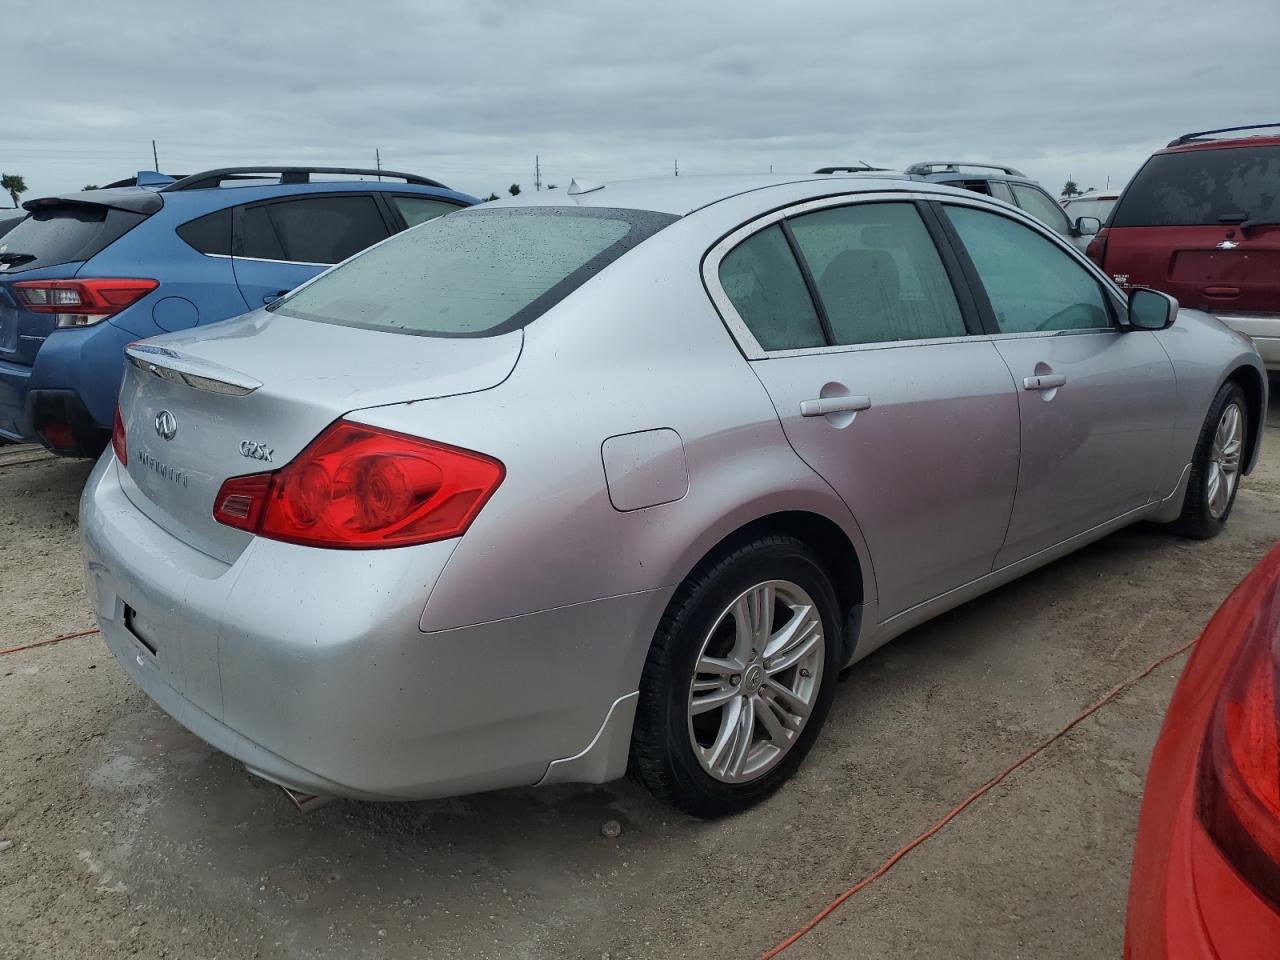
column 64, row 233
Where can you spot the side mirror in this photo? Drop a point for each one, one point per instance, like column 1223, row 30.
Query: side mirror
column 1151, row 309
column 1087, row 226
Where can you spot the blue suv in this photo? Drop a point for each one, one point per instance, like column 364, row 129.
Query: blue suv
column 87, row 273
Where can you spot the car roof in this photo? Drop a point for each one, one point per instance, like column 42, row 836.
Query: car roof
column 683, row 195
column 1224, row 144
column 1095, row 195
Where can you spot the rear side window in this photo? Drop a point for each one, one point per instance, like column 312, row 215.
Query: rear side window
column 764, row 282
column 878, row 273
column 1031, row 283
column 1202, row 188
column 258, row 238
column 327, row 229
column 66, row 233
column 478, row 273
column 210, row 234
column 1041, row 206
column 416, row 210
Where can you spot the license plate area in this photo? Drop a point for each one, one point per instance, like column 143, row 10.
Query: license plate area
column 138, row 630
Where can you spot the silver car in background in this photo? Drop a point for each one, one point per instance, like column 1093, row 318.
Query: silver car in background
column 620, row 478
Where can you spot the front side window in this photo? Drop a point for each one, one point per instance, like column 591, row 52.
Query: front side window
column 478, row 273
column 416, row 210
column 764, row 282
column 878, row 273
column 1042, row 207
column 1031, row 283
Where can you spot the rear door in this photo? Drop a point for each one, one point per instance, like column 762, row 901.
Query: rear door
column 279, row 244
column 1096, row 403
column 1204, row 225
column 848, row 314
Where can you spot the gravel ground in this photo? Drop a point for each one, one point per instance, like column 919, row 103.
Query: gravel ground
column 127, row 836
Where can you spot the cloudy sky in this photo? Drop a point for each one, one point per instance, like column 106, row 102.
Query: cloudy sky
column 468, row 91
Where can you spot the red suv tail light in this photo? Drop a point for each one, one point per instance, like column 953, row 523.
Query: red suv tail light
column 363, row 487
column 79, row 303
column 118, row 442
column 1238, row 784
column 1097, row 249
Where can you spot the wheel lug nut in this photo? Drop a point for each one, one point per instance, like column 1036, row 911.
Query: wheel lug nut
column 804, row 672
column 735, row 679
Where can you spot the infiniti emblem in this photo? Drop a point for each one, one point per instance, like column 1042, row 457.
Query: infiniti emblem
column 166, row 425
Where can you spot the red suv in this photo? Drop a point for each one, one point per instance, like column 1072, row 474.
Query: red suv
column 1201, row 221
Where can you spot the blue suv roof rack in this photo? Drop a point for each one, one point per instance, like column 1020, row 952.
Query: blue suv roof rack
column 1202, row 134
column 215, row 178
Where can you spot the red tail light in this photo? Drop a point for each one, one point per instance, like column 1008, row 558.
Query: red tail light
column 363, row 487
column 1097, row 249
column 79, row 303
column 118, row 443
column 1238, row 787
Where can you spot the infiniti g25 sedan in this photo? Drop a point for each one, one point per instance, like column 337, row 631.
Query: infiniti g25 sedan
column 620, row 478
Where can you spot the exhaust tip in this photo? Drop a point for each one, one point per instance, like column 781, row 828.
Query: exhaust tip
column 305, row 802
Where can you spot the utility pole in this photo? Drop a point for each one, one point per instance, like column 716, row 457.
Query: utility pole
column 154, row 156
column 537, row 173
column 677, row 163
column 377, row 159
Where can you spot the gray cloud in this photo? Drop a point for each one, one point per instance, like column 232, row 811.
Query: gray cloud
column 468, row 92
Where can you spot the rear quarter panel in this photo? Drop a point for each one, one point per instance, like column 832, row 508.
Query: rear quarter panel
column 638, row 347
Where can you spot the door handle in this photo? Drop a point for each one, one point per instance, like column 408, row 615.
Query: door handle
column 827, row 405
column 1046, row 381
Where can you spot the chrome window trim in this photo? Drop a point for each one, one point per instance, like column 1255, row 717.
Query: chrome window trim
column 751, row 348
column 300, row 263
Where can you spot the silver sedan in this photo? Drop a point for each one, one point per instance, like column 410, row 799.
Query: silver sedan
column 620, row 478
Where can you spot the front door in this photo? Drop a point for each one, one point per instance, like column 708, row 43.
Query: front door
column 1096, row 403
column 882, row 390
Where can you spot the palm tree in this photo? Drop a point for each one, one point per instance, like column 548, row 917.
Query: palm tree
column 13, row 184
column 1070, row 189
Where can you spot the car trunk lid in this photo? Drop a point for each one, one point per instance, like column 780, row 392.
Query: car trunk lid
column 1221, row 268
column 246, row 396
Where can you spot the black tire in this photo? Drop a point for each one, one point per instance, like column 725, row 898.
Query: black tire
column 662, row 756
column 1197, row 520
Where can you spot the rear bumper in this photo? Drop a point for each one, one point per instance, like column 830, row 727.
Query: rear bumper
column 60, row 420
column 14, row 381
column 309, row 665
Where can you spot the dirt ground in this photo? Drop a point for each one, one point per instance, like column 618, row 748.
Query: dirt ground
column 122, row 835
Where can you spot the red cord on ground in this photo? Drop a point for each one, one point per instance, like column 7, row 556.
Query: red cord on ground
column 45, row 643
column 955, row 811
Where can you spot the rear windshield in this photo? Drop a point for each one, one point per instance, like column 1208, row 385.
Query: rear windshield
column 1203, row 187
column 473, row 273
column 66, row 233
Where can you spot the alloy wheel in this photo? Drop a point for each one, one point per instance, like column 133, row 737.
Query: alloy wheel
column 1224, row 460
column 756, row 680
